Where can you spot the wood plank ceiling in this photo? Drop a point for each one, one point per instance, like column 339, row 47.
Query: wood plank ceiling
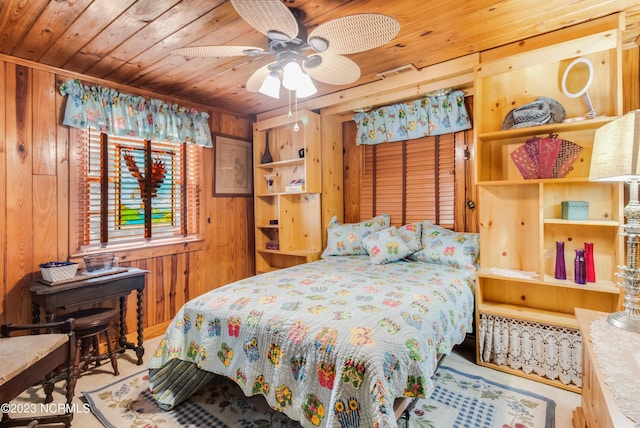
column 129, row 41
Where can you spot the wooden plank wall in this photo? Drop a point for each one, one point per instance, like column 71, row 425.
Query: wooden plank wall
column 34, row 207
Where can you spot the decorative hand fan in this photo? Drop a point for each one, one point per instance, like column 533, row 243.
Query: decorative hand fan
column 288, row 41
column 545, row 157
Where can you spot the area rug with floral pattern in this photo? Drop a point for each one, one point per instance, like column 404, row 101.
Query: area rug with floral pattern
column 459, row 400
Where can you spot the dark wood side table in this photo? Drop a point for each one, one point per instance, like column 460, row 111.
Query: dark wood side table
column 94, row 290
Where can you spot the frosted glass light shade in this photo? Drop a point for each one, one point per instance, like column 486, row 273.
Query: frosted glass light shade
column 306, row 87
column 616, row 149
column 271, row 86
column 292, row 74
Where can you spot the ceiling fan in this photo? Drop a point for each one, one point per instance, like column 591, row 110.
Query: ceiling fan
column 299, row 57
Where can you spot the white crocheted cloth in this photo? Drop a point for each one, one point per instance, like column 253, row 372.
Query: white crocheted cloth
column 549, row 351
column 618, row 352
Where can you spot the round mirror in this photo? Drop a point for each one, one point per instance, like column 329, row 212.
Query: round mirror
column 576, row 80
column 577, row 77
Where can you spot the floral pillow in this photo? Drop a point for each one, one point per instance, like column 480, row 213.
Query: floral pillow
column 412, row 235
column 446, row 247
column 386, row 246
column 346, row 239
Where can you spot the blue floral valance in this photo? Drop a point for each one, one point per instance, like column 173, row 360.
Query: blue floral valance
column 121, row 114
column 429, row 116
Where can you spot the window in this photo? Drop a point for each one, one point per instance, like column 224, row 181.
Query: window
column 411, row 180
column 118, row 203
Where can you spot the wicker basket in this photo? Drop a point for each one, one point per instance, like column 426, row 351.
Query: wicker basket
column 58, row 271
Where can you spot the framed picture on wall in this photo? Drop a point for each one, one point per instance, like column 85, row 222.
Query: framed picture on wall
column 233, row 166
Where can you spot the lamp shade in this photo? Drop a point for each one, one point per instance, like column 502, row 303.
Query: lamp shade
column 271, row 85
column 306, row 87
column 616, row 149
column 292, row 73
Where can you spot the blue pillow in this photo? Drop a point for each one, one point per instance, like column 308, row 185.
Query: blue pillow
column 386, row 246
column 445, row 247
column 346, row 239
column 412, row 235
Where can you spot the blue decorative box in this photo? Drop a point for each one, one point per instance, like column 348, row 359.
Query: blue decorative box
column 575, row 210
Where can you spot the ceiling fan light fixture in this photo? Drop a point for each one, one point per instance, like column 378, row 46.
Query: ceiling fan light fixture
column 292, row 75
column 305, row 88
column 288, row 39
column 271, row 85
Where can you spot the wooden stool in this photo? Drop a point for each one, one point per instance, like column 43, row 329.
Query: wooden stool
column 89, row 323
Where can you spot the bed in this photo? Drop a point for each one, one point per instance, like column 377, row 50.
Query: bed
column 332, row 343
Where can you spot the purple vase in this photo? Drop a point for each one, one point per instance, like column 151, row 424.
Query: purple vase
column 561, row 271
column 580, row 266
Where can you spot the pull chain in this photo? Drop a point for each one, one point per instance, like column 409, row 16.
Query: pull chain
column 296, row 128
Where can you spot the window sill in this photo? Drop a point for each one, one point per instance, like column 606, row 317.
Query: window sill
column 133, row 252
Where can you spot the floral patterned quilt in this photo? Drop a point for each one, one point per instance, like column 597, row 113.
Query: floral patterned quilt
column 330, row 343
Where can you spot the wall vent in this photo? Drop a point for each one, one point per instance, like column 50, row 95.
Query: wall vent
column 397, row 71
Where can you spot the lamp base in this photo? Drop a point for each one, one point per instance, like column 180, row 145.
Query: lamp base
column 624, row 321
